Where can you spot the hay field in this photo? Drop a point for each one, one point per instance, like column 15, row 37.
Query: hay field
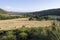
column 17, row 23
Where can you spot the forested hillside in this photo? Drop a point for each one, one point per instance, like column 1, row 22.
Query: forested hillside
column 2, row 11
column 47, row 12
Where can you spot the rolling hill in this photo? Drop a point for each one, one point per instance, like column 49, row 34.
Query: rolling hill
column 3, row 11
column 43, row 12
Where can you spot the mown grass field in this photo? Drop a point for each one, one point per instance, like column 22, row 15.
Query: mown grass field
column 17, row 23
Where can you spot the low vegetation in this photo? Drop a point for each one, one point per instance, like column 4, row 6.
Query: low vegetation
column 38, row 33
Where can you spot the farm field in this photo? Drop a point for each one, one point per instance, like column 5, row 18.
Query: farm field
column 17, row 23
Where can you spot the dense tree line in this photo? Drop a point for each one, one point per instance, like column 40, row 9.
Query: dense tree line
column 5, row 17
column 39, row 18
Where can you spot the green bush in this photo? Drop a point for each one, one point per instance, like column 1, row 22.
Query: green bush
column 9, row 37
column 23, row 35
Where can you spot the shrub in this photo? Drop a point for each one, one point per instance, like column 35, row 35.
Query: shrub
column 37, row 33
column 10, row 33
column 1, row 32
column 9, row 37
column 23, row 35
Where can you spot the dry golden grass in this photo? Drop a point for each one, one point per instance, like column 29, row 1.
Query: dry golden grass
column 17, row 23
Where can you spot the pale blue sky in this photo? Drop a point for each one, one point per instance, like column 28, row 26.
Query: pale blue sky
column 29, row 5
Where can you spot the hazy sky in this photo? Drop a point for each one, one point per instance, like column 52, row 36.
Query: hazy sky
column 29, row 5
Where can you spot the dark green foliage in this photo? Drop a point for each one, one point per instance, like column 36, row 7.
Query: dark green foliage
column 1, row 32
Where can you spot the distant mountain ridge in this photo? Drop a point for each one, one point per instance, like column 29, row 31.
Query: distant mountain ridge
column 48, row 12
column 44, row 12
